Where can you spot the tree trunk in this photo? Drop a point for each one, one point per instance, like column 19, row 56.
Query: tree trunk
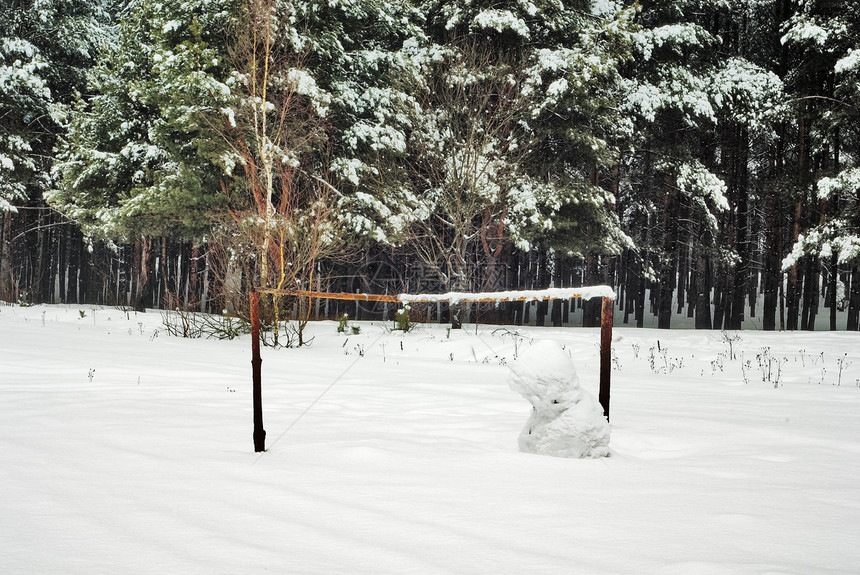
column 793, row 292
column 703, row 293
column 854, row 300
column 193, row 276
column 811, row 294
column 629, row 282
column 831, row 295
column 166, row 303
column 741, row 273
column 591, row 307
column 137, row 276
column 641, row 286
column 772, row 274
column 720, row 289
column 667, row 264
column 691, row 282
column 542, row 282
column 683, row 254
column 6, row 277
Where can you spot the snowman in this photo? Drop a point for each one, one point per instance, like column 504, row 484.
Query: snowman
column 566, row 420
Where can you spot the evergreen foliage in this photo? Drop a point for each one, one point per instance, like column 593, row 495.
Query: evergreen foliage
column 826, row 88
column 702, row 152
column 134, row 161
column 46, row 49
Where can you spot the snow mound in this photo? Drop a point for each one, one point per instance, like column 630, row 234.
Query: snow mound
column 566, row 420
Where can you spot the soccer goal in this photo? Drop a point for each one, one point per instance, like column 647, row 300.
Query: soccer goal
column 606, row 293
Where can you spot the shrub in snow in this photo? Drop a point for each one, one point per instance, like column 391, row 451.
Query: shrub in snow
column 343, row 323
column 566, row 420
column 401, row 319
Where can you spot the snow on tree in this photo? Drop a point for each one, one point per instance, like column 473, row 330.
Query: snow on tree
column 693, row 98
column 275, row 127
column 824, row 38
column 149, row 140
column 465, row 156
column 131, row 164
column 458, row 133
column 254, row 120
column 361, row 56
column 45, row 49
column 512, row 101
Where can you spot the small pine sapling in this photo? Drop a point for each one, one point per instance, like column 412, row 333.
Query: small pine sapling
column 401, row 319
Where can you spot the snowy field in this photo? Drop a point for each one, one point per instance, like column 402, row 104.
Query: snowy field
column 125, row 450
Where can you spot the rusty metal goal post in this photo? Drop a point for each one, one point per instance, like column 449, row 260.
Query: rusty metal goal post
column 606, row 293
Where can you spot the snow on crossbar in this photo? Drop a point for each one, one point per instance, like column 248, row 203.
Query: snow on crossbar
column 521, row 295
column 457, row 297
column 605, row 292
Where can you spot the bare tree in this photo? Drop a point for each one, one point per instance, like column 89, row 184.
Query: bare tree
column 466, row 152
column 281, row 204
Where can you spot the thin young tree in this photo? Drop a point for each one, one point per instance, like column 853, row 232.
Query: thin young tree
column 275, row 131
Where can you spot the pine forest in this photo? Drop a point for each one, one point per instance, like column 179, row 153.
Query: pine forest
column 702, row 158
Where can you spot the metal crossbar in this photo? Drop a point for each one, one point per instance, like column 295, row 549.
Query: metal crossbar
column 332, row 295
column 487, row 297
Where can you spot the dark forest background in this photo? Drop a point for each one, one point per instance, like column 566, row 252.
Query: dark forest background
column 705, row 168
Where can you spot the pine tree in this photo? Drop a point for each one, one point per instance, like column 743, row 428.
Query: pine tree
column 130, row 162
column 825, row 85
column 45, row 51
column 515, row 103
column 693, row 99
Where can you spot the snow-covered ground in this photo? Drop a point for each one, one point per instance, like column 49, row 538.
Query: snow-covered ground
column 125, row 450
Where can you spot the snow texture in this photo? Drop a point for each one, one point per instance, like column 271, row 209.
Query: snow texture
column 566, row 420
column 848, row 63
column 500, row 20
column 409, row 463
